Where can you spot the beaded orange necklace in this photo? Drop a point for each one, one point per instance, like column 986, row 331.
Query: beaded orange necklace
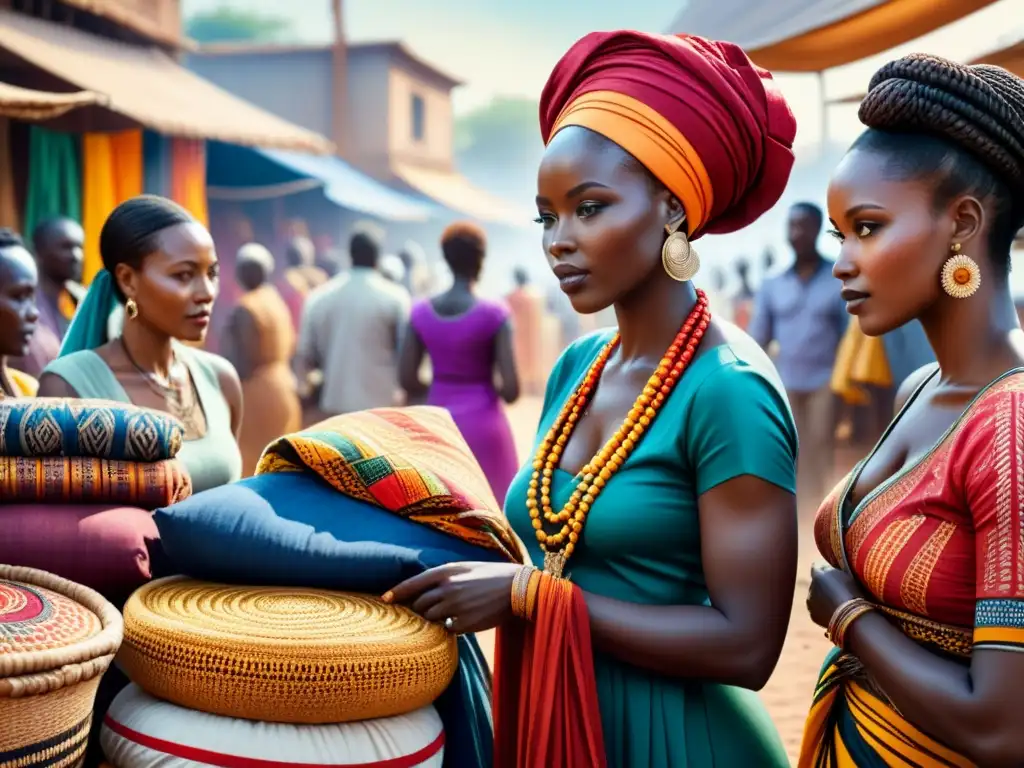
column 558, row 547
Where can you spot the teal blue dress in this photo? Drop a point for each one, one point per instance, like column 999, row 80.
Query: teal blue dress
column 728, row 416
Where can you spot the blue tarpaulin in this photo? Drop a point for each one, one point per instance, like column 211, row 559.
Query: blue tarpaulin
column 233, row 169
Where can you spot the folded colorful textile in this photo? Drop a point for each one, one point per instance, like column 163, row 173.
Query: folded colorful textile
column 412, row 461
column 92, row 481
column 294, row 530
column 100, row 546
column 102, row 429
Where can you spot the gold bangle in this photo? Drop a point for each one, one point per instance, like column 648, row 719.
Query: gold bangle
column 520, row 584
column 532, row 588
column 852, row 615
column 843, row 617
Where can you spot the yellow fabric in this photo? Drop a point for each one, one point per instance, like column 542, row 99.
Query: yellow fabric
column 26, row 385
column 860, row 362
column 111, row 173
column 188, row 177
column 864, row 34
column 652, row 140
column 878, row 729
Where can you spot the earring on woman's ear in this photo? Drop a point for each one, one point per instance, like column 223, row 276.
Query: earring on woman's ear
column 131, row 309
column 961, row 275
column 678, row 257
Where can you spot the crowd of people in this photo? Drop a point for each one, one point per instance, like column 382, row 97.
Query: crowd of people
column 659, row 510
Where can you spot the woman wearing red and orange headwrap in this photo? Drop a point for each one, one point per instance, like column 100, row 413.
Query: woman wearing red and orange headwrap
column 663, row 483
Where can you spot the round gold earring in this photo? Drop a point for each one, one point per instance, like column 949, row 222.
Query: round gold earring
column 961, row 275
column 131, row 309
column 678, row 257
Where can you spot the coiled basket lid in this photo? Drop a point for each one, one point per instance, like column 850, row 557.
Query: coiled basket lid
column 57, row 638
column 282, row 655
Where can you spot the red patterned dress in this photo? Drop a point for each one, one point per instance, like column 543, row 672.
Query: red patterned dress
column 940, row 549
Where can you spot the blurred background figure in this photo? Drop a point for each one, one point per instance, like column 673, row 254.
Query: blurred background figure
column 259, row 340
column 417, row 271
column 350, row 332
column 801, row 312
column 470, row 343
column 526, row 304
column 743, row 299
column 300, row 277
column 393, row 268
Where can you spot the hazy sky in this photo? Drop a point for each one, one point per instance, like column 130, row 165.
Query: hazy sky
column 506, row 47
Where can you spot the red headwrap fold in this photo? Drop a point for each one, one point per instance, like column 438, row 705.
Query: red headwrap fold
column 723, row 123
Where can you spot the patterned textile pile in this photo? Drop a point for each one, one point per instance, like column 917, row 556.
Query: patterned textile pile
column 78, row 482
column 275, row 646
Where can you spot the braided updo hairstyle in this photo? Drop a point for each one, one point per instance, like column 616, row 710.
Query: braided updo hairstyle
column 961, row 125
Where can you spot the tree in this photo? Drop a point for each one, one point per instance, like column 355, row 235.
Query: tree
column 498, row 146
column 227, row 24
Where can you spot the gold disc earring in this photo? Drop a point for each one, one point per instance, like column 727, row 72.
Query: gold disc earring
column 961, row 275
column 678, row 257
column 131, row 309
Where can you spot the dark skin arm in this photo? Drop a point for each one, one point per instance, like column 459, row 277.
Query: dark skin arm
column 505, row 363
column 750, row 554
column 410, row 360
column 975, row 709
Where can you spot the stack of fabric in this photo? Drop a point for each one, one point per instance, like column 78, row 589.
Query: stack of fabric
column 335, row 515
column 224, row 674
column 57, row 639
column 79, row 480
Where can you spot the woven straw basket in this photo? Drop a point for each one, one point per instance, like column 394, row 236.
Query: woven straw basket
column 282, row 655
column 57, row 638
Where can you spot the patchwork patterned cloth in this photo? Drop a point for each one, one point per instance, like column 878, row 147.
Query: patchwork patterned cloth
column 92, row 481
column 56, row 426
column 411, row 461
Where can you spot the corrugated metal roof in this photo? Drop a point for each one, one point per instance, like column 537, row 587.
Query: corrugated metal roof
column 30, row 105
column 148, row 86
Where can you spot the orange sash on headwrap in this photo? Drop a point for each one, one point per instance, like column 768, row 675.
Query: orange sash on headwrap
column 698, row 114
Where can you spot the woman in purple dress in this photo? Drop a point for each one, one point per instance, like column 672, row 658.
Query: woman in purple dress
column 469, row 340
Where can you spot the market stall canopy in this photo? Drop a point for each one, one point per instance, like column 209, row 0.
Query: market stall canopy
column 453, row 191
column 29, row 105
column 146, row 85
column 1009, row 57
column 815, row 35
column 240, row 174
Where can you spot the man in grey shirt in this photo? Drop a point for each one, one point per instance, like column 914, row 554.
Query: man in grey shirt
column 351, row 332
column 802, row 312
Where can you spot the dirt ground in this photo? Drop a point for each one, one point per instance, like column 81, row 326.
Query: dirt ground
column 788, row 694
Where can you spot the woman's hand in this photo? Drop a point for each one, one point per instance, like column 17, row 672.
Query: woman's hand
column 830, row 588
column 476, row 596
